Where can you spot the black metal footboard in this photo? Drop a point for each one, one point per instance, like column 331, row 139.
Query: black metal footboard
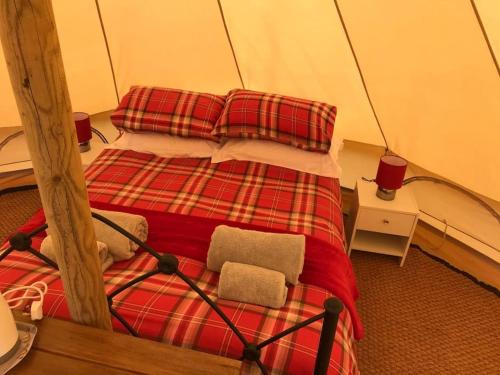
column 168, row 264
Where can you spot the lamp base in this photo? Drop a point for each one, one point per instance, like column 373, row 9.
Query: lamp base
column 84, row 146
column 386, row 194
column 7, row 356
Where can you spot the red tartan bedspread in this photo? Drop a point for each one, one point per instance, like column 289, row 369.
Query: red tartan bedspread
column 183, row 200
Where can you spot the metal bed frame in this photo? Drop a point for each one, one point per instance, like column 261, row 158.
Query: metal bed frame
column 168, row 264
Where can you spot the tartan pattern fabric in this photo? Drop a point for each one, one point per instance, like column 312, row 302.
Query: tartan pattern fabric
column 301, row 123
column 176, row 112
column 165, row 309
column 241, row 191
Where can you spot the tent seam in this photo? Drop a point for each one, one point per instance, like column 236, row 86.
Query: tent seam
column 221, row 11
column 344, row 27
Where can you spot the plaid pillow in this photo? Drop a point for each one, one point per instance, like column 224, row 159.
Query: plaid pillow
column 175, row 112
column 305, row 124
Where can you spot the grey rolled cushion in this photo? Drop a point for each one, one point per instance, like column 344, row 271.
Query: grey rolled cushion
column 275, row 251
column 252, row 284
column 120, row 246
column 47, row 249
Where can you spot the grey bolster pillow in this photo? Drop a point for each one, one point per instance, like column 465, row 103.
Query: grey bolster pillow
column 252, row 284
column 275, row 251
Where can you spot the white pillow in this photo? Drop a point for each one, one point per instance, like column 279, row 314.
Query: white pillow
column 164, row 145
column 282, row 155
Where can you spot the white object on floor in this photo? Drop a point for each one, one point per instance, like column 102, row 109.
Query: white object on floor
column 378, row 226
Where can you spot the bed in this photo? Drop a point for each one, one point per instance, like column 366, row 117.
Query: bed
column 184, row 200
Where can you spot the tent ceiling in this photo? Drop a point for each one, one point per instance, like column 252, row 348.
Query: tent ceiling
column 428, row 69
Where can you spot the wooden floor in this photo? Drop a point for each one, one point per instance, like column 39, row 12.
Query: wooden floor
column 448, row 249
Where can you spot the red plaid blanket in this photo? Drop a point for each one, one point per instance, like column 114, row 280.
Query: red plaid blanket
column 183, row 200
column 264, row 196
column 241, row 191
column 163, row 308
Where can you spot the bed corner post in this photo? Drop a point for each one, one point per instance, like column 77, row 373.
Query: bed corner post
column 333, row 308
column 31, row 48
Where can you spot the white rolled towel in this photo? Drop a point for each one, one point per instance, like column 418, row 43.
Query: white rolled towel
column 47, row 249
column 252, row 284
column 120, row 246
column 275, row 251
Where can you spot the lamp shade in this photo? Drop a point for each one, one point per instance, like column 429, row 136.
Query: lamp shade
column 83, row 130
column 391, row 172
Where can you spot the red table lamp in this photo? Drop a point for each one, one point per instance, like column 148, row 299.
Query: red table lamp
column 83, row 130
column 390, row 176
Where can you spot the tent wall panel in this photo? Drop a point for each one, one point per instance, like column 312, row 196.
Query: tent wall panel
column 298, row 48
column 84, row 54
column 8, row 110
column 433, row 83
column 85, row 61
column 180, row 44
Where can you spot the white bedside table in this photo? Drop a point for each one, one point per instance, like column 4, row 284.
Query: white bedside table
column 378, row 226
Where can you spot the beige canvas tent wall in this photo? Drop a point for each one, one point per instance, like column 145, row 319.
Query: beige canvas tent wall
column 426, row 71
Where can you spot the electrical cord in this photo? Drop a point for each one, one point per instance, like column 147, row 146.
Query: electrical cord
column 458, row 188
column 36, row 308
column 10, row 138
column 100, row 135
column 20, row 132
column 472, row 196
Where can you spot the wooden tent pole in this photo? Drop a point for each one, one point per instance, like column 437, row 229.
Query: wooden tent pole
column 31, row 47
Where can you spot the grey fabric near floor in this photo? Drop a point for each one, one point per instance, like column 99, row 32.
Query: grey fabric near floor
column 422, row 318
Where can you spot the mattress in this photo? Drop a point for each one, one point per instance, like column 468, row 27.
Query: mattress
column 183, row 201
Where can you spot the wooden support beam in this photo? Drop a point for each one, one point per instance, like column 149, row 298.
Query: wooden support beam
column 31, row 48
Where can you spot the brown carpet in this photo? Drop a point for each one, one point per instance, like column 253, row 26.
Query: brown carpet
column 15, row 209
column 423, row 318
